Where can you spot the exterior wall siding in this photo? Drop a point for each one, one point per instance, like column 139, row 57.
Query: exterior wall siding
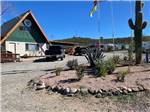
column 21, row 49
column 26, row 36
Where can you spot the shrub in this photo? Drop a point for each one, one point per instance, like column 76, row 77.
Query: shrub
column 80, row 71
column 116, row 59
column 72, row 64
column 93, row 54
column 130, row 54
column 101, row 68
column 125, row 58
column 58, row 70
column 110, row 65
column 121, row 76
column 110, row 48
column 123, row 47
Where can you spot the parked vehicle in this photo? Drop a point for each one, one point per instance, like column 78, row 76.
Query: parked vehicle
column 79, row 51
column 146, row 46
column 55, row 52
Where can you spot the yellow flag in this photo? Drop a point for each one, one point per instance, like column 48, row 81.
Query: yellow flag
column 94, row 8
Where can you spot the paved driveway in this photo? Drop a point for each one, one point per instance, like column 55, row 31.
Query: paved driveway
column 37, row 64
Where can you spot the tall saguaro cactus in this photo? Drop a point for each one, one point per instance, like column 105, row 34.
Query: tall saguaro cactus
column 138, row 26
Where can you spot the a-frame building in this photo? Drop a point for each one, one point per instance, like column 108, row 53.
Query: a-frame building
column 23, row 35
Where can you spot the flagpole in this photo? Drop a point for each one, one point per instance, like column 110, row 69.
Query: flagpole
column 98, row 21
column 113, row 30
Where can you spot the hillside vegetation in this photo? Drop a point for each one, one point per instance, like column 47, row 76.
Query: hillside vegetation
column 109, row 40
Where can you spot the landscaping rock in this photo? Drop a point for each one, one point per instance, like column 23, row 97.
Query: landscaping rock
column 124, row 88
column 91, row 91
column 135, row 89
column 34, row 86
column 125, row 92
column 40, row 85
column 141, row 88
column 103, row 90
column 98, row 95
column 129, row 90
column 109, row 93
column 113, row 91
column 56, row 88
column 59, row 88
column 78, row 89
column 62, row 90
column 52, row 87
column 116, row 93
column 33, row 81
column 70, row 95
column 73, row 90
column 96, row 91
column 48, row 88
column 67, row 90
column 83, row 90
column 120, row 91
column 146, row 87
column 100, row 91
column 104, row 93
column 50, row 91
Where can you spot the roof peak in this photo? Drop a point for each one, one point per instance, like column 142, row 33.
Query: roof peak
column 8, row 27
column 29, row 11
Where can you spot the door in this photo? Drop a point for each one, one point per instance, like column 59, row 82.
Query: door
column 12, row 47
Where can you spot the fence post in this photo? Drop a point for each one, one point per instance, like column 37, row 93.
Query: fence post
column 146, row 56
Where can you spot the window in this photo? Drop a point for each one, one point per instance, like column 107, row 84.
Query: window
column 32, row 47
column 47, row 46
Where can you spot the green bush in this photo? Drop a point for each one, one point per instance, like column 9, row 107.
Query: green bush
column 125, row 58
column 123, row 47
column 110, row 65
column 101, row 68
column 110, row 48
column 72, row 64
column 58, row 70
column 121, row 76
column 80, row 71
column 116, row 59
column 130, row 55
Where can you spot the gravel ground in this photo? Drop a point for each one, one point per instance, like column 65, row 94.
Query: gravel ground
column 138, row 75
column 17, row 98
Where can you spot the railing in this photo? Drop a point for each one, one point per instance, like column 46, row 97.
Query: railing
column 9, row 57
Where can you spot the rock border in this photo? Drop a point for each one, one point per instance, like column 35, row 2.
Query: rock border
column 38, row 85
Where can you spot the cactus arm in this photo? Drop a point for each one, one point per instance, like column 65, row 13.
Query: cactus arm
column 130, row 22
column 144, row 24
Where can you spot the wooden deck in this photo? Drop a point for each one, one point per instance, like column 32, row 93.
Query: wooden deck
column 9, row 57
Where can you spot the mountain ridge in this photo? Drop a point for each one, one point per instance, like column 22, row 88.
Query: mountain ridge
column 86, row 40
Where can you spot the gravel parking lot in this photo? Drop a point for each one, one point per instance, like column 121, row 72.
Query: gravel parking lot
column 14, row 80
column 17, row 98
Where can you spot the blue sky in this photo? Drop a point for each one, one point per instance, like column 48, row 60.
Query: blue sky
column 61, row 20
